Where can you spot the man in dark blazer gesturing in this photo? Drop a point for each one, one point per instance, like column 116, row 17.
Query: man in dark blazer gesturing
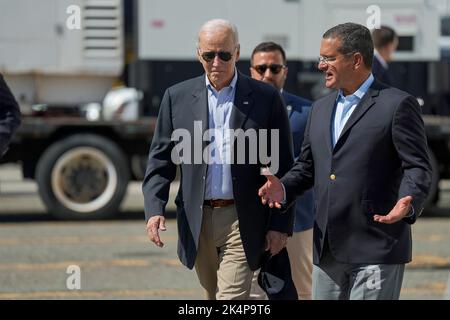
column 223, row 226
column 365, row 152
column 9, row 116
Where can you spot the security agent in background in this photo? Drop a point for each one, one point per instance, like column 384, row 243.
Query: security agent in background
column 385, row 41
column 268, row 64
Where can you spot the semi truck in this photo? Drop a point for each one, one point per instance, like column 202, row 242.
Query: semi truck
column 84, row 136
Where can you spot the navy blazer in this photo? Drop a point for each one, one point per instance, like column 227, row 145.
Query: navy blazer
column 381, row 73
column 9, row 116
column 380, row 157
column 257, row 105
column 298, row 111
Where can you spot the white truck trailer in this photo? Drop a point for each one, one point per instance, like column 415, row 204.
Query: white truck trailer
column 61, row 58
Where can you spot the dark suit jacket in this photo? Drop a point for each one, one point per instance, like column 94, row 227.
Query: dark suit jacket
column 9, row 115
column 381, row 73
column 380, row 157
column 257, row 106
column 298, row 112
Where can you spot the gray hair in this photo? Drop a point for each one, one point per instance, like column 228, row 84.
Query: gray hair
column 215, row 24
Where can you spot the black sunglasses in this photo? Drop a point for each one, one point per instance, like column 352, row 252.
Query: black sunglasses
column 274, row 68
column 210, row 55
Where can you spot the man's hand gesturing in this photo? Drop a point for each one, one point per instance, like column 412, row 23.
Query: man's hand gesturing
column 272, row 191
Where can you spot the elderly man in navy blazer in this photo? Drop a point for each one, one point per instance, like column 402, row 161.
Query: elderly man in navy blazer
column 223, row 226
column 9, row 116
column 365, row 152
column 268, row 64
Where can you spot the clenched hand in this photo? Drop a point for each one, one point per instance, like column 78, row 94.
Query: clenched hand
column 276, row 241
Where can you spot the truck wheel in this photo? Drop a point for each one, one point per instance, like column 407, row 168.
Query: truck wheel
column 83, row 177
column 433, row 195
column 138, row 166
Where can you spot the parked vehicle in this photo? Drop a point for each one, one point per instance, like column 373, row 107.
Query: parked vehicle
column 90, row 96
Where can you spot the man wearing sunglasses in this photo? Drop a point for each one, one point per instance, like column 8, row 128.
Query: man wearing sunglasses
column 223, row 227
column 268, row 64
column 366, row 154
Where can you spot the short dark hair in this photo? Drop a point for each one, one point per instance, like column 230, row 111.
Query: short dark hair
column 269, row 46
column 354, row 38
column 383, row 36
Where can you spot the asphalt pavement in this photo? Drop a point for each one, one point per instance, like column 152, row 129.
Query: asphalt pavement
column 42, row 258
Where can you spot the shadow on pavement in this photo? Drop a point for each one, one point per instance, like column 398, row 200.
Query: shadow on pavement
column 17, row 217
column 436, row 212
column 14, row 217
column 139, row 215
column 431, row 267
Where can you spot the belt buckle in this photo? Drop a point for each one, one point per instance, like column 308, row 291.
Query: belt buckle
column 215, row 204
column 210, row 203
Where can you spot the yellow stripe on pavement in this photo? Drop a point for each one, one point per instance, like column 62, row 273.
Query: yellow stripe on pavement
column 428, row 261
column 81, row 264
column 79, row 240
column 80, row 294
column 435, row 288
column 90, row 264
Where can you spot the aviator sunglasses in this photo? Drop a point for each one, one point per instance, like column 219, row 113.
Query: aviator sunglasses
column 223, row 55
column 274, row 68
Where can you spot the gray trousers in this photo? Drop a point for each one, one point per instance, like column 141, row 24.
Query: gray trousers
column 333, row 280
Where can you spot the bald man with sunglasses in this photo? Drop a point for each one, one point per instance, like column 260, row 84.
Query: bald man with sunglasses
column 268, row 64
column 223, row 227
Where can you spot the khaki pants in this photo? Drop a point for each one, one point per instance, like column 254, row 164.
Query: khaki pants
column 299, row 248
column 221, row 264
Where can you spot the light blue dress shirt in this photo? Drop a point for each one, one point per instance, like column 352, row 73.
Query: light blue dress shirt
column 343, row 110
column 220, row 104
column 345, row 107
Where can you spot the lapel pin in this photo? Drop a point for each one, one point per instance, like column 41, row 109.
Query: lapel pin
column 245, row 102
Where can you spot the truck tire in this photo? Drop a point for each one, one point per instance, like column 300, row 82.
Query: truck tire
column 433, row 195
column 83, row 177
column 138, row 166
